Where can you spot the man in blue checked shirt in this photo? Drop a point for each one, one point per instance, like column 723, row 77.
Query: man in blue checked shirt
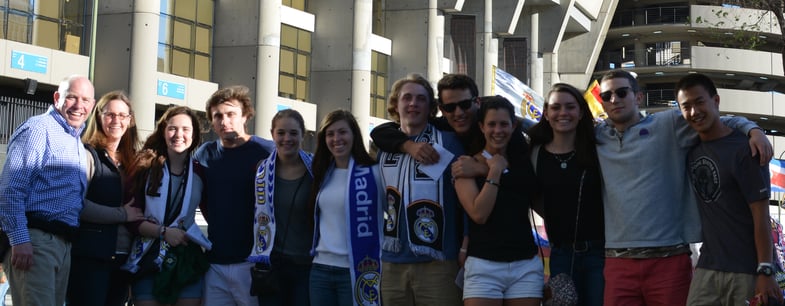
column 42, row 185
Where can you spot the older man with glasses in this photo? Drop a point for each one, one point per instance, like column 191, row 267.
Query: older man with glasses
column 651, row 215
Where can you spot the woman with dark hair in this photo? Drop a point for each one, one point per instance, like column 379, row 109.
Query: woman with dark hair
column 103, row 243
column 568, row 174
column 346, row 199
column 169, row 186
column 502, row 265
column 282, row 228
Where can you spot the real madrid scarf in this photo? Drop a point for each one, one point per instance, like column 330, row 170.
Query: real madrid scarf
column 155, row 210
column 264, row 224
column 364, row 233
column 414, row 201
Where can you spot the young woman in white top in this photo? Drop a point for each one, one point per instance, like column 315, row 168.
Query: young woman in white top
column 346, row 201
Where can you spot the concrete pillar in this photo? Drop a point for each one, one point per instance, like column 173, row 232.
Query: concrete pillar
column 435, row 44
column 267, row 66
column 535, row 59
column 641, row 54
column 490, row 49
column 361, row 66
column 143, row 69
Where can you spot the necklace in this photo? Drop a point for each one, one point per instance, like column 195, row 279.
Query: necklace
column 564, row 161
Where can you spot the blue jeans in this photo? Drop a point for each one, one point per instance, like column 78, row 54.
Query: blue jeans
column 330, row 286
column 293, row 279
column 586, row 273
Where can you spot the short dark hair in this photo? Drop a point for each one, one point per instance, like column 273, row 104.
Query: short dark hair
column 696, row 79
column 239, row 93
column 615, row 74
column 457, row 81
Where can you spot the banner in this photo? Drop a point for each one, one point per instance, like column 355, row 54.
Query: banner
column 592, row 96
column 527, row 102
column 777, row 170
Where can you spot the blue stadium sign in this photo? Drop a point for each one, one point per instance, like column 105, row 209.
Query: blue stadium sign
column 29, row 62
column 171, row 90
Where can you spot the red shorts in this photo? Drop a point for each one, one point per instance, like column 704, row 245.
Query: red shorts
column 650, row 281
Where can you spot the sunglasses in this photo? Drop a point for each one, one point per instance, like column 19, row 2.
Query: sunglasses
column 620, row 92
column 464, row 104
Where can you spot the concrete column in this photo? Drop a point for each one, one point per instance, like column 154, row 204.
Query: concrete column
column 435, row 43
column 143, row 70
column 490, row 49
column 535, row 59
column 361, row 66
column 640, row 54
column 267, row 66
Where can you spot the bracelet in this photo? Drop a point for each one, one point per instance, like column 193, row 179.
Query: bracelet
column 765, row 264
column 163, row 232
column 463, row 250
column 492, row 182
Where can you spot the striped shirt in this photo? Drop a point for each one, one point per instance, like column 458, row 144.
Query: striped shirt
column 44, row 175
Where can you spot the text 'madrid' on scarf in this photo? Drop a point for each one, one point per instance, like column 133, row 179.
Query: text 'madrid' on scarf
column 264, row 224
column 364, row 236
column 414, row 200
column 155, row 210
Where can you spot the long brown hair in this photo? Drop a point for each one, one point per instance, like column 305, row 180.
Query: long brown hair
column 154, row 152
column 585, row 143
column 94, row 134
column 322, row 158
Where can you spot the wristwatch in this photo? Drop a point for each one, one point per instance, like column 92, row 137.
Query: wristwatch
column 765, row 268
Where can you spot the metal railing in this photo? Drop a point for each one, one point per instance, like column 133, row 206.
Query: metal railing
column 651, row 16
column 647, row 57
column 14, row 111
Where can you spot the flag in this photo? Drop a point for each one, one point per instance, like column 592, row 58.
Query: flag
column 592, row 96
column 527, row 102
column 777, row 171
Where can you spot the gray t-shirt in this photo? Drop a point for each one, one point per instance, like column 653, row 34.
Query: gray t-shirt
column 293, row 235
column 726, row 179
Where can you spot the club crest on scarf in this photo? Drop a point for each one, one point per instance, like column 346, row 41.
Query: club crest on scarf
column 264, row 234
column 393, row 206
column 425, row 226
column 366, row 288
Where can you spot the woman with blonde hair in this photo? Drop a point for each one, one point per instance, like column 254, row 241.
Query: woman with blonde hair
column 103, row 242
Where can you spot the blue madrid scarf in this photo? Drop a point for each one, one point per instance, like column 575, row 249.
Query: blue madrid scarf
column 364, row 236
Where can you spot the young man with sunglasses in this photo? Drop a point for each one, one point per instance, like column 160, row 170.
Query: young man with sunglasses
column 459, row 100
column 650, row 212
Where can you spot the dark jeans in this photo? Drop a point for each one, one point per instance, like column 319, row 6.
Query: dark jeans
column 97, row 282
column 586, row 273
column 330, row 286
column 293, row 279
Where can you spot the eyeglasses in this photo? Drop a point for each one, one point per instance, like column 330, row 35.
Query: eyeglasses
column 464, row 104
column 620, row 92
column 121, row 116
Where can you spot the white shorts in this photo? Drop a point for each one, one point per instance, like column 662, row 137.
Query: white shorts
column 503, row 280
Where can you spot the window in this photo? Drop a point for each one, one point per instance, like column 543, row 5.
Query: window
column 379, row 76
column 58, row 25
column 377, row 25
column 185, row 38
column 295, row 4
column 462, row 28
column 295, row 71
column 515, row 57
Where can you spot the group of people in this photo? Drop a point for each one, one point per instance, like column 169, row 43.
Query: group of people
column 440, row 217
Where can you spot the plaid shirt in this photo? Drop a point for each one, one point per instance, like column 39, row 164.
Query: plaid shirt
column 44, row 175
